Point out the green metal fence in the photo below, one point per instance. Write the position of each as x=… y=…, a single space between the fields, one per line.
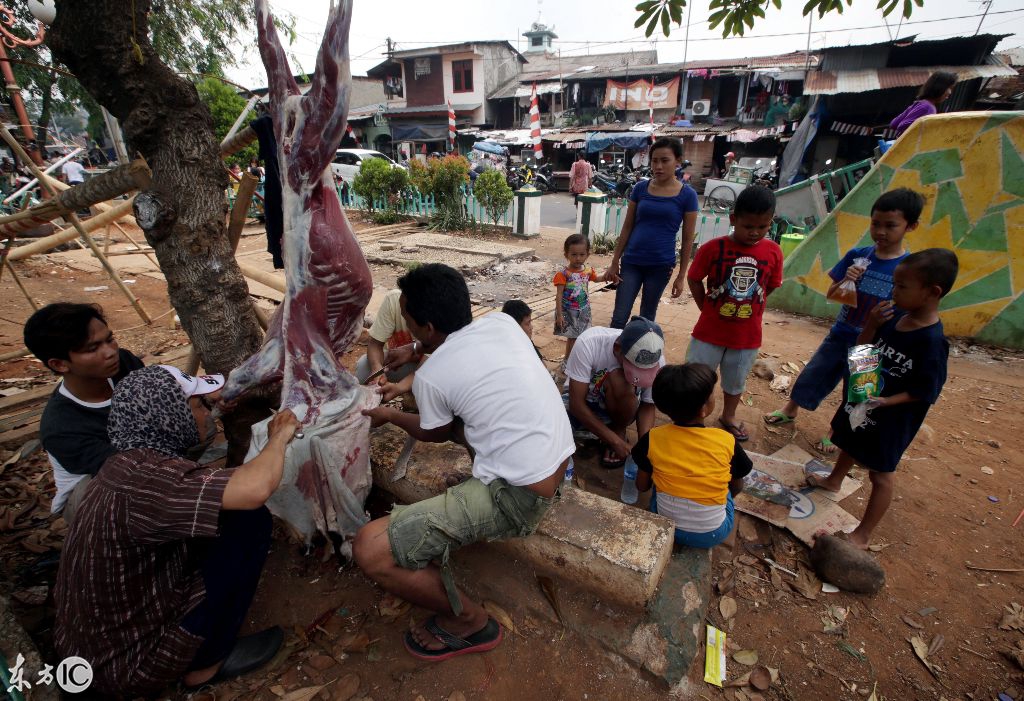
x=476 y=211
x=845 y=175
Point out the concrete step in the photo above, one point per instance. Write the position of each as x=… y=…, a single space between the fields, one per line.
x=612 y=554
x=615 y=549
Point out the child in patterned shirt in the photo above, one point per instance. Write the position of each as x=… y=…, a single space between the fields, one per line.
x=572 y=304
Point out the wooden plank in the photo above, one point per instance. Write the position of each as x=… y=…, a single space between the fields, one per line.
x=15 y=438
x=27 y=397
x=21 y=418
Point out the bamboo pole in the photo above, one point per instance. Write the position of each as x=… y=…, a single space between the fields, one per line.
x=14 y=355
x=95 y=191
x=21 y=286
x=75 y=222
x=237 y=142
x=53 y=240
x=141 y=249
x=240 y=209
x=261 y=276
x=238 y=122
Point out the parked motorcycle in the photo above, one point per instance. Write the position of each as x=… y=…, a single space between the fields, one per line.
x=543 y=179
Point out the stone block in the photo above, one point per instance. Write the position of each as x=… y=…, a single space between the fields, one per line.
x=615 y=550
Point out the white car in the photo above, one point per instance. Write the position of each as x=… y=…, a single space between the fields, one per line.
x=348 y=160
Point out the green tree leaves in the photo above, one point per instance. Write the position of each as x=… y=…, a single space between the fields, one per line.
x=735 y=17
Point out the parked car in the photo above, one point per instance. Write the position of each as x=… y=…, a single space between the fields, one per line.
x=348 y=160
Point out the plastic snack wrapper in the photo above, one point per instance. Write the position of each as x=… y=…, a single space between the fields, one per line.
x=865 y=374
x=846 y=293
x=714 y=656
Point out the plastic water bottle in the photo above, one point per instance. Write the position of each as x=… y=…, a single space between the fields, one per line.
x=569 y=472
x=629 y=493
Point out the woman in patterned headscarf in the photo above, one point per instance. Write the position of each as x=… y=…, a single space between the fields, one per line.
x=163 y=558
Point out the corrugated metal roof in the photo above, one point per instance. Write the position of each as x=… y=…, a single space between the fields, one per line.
x=836 y=82
x=426 y=109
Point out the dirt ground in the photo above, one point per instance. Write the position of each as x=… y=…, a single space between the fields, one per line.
x=958 y=492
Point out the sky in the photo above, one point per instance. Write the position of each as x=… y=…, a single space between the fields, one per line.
x=604 y=26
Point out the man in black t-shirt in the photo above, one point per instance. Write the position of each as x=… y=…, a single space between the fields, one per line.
x=74 y=341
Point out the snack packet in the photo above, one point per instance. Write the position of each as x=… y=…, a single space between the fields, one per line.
x=865 y=374
x=846 y=293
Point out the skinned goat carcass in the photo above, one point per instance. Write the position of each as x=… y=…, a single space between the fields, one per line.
x=328 y=285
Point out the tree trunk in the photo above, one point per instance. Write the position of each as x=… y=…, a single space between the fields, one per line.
x=183 y=212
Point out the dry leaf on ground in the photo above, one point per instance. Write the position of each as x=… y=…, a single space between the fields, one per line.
x=356 y=641
x=834 y=619
x=726 y=581
x=760 y=678
x=921 y=650
x=547 y=585
x=911 y=622
x=727 y=607
x=500 y=615
x=806 y=584
x=304 y=694
x=745 y=657
x=1013 y=619
x=1016 y=654
x=457 y=696
x=393 y=607
x=739 y=681
x=345 y=688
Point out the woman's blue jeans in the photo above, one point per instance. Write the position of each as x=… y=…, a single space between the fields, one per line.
x=652 y=279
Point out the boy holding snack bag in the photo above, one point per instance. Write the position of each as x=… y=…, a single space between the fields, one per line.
x=862 y=279
x=893 y=383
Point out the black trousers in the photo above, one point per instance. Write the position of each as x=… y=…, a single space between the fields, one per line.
x=231 y=565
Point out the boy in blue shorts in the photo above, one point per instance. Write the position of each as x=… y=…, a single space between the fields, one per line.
x=741 y=270
x=893 y=216
x=914 y=353
x=697 y=470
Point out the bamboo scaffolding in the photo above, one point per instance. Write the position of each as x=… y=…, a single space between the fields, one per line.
x=94 y=191
x=73 y=218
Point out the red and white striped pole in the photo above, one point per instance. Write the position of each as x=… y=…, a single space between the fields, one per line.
x=538 y=149
x=451 y=127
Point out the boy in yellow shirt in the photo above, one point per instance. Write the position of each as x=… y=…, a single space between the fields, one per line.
x=696 y=470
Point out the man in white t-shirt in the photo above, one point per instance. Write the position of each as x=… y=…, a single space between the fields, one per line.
x=609 y=376
x=484 y=386
x=73 y=172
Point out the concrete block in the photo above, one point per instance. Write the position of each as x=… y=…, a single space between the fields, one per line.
x=615 y=550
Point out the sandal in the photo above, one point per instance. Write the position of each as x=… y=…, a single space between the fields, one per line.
x=825 y=446
x=777 y=418
x=611 y=461
x=814 y=482
x=487 y=638
x=736 y=430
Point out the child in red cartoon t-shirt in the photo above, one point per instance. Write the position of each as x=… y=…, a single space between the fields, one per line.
x=741 y=270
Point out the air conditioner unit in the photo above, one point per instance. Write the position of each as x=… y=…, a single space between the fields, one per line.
x=700 y=108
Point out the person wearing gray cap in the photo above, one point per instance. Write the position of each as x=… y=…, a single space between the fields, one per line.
x=608 y=377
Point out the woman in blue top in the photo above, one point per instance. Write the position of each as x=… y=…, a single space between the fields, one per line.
x=646 y=252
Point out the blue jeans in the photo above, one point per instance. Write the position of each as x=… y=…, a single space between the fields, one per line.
x=826 y=369
x=703 y=540
x=653 y=279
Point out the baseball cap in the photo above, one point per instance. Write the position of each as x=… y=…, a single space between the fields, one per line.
x=195 y=385
x=642 y=344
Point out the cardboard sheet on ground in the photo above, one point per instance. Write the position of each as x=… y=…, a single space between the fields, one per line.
x=775 y=491
x=812 y=465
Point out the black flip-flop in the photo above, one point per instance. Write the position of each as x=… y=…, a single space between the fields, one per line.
x=736 y=430
x=487 y=638
x=249 y=653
